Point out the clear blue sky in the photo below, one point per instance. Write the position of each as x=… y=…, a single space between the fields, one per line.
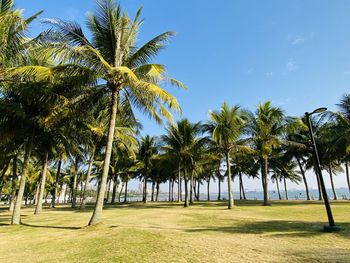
x=294 y=53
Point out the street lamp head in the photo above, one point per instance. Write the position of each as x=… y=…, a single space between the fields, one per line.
x=318 y=110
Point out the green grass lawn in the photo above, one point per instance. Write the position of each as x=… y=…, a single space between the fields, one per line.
x=288 y=231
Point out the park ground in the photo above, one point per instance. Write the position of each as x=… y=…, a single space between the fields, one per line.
x=287 y=231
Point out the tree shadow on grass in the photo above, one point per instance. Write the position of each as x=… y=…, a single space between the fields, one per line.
x=52 y=227
x=277 y=228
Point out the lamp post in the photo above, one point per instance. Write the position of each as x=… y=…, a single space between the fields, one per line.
x=332 y=227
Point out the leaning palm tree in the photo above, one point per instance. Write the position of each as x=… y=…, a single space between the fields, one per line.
x=226 y=126
x=112 y=55
x=265 y=129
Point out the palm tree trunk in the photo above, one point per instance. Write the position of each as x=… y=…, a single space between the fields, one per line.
x=75 y=182
x=229 y=181
x=120 y=192
x=208 y=188
x=172 y=190
x=16 y=215
x=13 y=184
x=36 y=197
x=114 y=191
x=59 y=193
x=264 y=174
x=39 y=205
x=54 y=190
x=347 y=174
x=195 y=189
x=304 y=179
x=88 y=177
x=157 y=193
x=186 y=204
x=153 y=186
x=219 y=188
x=169 y=196
x=65 y=194
x=144 y=199
x=285 y=187
x=126 y=191
x=278 y=190
x=240 y=186
x=198 y=186
x=108 y=189
x=97 y=214
x=191 y=188
x=332 y=183
x=179 y=184
x=320 y=196
x=2 y=181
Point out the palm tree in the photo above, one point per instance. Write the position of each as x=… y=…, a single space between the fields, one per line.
x=342 y=133
x=244 y=164
x=112 y=55
x=147 y=152
x=226 y=126
x=283 y=168
x=265 y=129
x=182 y=142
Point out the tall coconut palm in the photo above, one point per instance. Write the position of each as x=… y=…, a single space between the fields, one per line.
x=265 y=129
x=112 y=55
x=226 y=126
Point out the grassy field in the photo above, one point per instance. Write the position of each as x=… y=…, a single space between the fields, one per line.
x=163 y=232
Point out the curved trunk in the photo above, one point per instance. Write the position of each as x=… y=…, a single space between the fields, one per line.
x=88 y=177
x=54 y=190
x=332 y=183
x=39 y=205
x=264 y=179
x=16 y=215
x=285 y=187
x=304 y=179
x=97 y=214
x=229 y=181
x=278 y=189
x=347 y=174
x=179 y=184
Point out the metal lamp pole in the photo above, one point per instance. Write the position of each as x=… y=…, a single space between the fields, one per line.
x=332 y=227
